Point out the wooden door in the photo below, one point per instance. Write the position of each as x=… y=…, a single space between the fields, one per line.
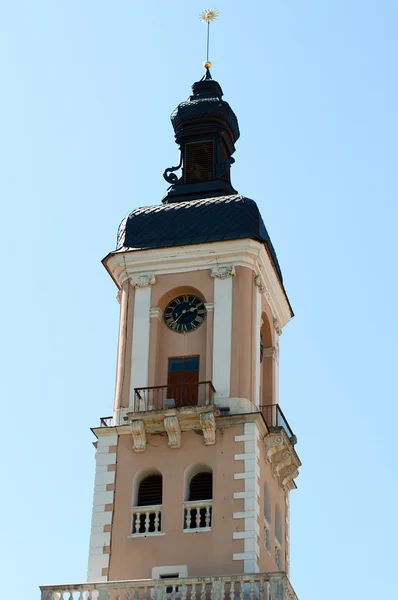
x=183 y=379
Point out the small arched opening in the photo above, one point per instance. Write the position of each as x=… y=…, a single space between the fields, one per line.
x=267 y=518
x=198 y=497
x=278 y=537
x=267 y=367
x=147 y=503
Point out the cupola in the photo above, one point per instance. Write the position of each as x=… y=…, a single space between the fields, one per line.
x=206 y=129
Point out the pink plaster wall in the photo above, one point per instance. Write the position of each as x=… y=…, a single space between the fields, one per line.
x=205 y=553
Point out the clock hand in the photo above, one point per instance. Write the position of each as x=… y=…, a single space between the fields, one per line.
x=180 y=315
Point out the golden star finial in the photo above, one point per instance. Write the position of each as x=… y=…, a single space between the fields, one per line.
x=207 y=16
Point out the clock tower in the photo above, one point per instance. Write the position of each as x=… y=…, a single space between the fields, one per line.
x=196 y=464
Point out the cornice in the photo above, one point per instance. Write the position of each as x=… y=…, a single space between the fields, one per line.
x=190 y=418
x=216 y=255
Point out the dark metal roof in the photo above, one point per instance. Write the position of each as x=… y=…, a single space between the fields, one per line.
x=194 y=222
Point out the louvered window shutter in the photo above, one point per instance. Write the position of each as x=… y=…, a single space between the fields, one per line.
x=150 y=491
x=199 y=162
x=201 y=487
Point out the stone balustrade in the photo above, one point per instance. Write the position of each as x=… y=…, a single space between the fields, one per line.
x=146 y=520
x=197 y=515
x=258 y=586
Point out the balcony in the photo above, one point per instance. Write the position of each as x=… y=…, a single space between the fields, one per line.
x=259 y=586
x=275 y=418
x=146 y=520
x=197 y=515
x=179 y=395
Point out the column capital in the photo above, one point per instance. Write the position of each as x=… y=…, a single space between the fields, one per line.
x=272 y=352
x=259 y=282
x=142 y=281
x=223 y=272
x=277 y=326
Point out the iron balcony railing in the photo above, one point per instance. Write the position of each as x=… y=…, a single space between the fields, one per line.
x=106 y=421
x=274 y=417
x=178 y=395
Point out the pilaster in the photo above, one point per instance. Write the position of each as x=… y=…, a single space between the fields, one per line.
x=222 y=329
x=101 y=522
x=141 y=332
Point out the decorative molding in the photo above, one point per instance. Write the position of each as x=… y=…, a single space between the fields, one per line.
x=262 y=288
x=142 y=281
x=139 y=436
x=242 y=252
x=277 y=326
x=272 y=352
x=209 y=306
x=173 y=431
x=259 y=282
x=280 y=460
x=272 y=445
x=280 y=453
x=208 y=424
x=223 y=272
x=288 y=474
x=119 y=296
x=156 y=313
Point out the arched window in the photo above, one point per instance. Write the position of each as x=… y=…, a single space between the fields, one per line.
x=278 y=537
x=201 y=487
x=198 y=497
x=266 y=358
x=148 y=496
x=267 y=518
x=150 y=491
x=267 y=504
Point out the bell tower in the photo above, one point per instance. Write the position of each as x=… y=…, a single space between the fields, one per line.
x=196 y=464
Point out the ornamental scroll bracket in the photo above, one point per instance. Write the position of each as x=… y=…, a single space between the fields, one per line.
x=139 y=436
x=169 y=174
x=208 y=424
x=223 y=272
x=142 y=281
x=279 y=453
x=173 y=431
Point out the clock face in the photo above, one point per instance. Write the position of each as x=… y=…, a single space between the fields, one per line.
x=185 y=313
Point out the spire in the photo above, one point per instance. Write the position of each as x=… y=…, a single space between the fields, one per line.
x=206 y=130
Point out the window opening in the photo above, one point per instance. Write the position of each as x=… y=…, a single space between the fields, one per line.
x=267 y=518
x=169 y=588
x=197 y=515
x=199 y=162
x=149 y=494
x=201 y=487
x=150 y=491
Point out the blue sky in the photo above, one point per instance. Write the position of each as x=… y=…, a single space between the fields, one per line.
x=85 y=136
